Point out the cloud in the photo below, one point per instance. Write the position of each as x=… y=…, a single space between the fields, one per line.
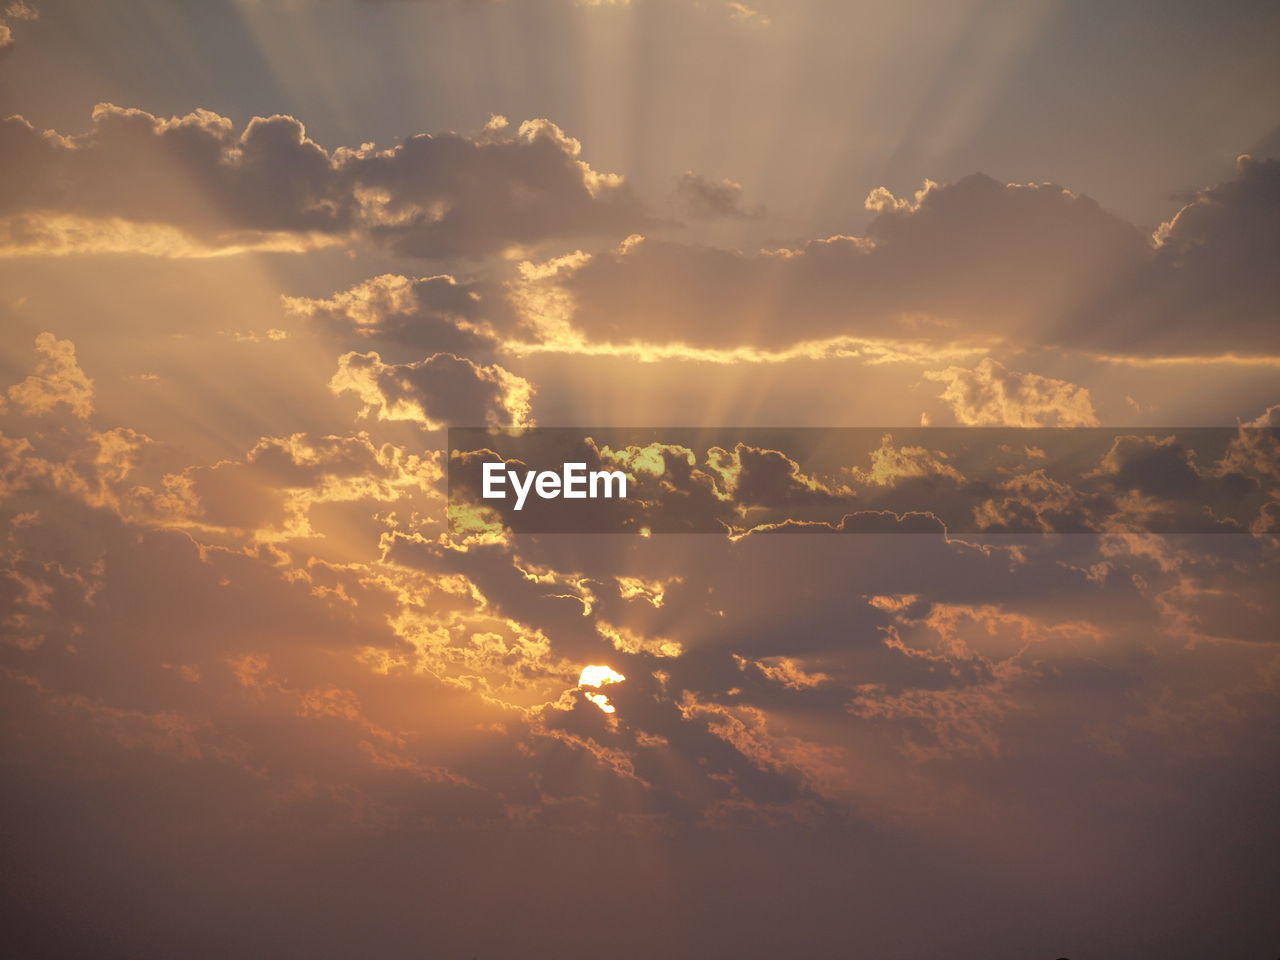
x=433 y=314
x=358 y=695
x=19 y=10
x=63 y=234
x=671 y=487
x=757 y=477
x=706 y=199
x=1211 y=284
x=443 y=389
x=1009 y=478
x=975 y=258
x=263 y=681
x=272 y=491
x=993 y=395
x=1233 y=221
x=50 y=444
x=436 y=197
x=629 y=641
x=57 y=381
x=745 y=14
x=785 y=671
x=890 y=465
x=1162 y=482
x=1256 y=450
x=448 y=195
x=972 y=263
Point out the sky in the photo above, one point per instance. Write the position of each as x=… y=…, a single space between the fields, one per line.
x=262 y=698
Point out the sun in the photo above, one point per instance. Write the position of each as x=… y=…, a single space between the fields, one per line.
x=596 y=675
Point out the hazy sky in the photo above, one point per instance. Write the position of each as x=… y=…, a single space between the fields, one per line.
x=261 y=700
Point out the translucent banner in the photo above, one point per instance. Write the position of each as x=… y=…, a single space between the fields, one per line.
x=739 y=481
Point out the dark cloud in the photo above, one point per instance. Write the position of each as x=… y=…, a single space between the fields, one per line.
x=706 y=199
x=975 y=261
x=435 y=197
x=448 y=195
x=440 y=390
x=261 y=699
x=1212 y=284
x=757 y=477
x=168 y=684
x=836 y=481
x=971 y=259
x=671 y=487
x=195 y=172
x=425 y=314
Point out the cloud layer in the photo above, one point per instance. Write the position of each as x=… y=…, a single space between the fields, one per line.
x=433 y=197
x=975 y=261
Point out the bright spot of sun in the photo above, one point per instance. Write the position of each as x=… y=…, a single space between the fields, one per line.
x=597 y=676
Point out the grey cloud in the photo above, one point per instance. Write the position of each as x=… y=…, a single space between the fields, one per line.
x=975 y=261
x=972 y=259
x=303 y=695
x=432 y=196
x=706 y=199
x=442 y=196
x=757 y=477
x=194 y=172
x=440 y=390
x=671 y=487
x=1212 y=285
x=1004 y=480
x=426 y=314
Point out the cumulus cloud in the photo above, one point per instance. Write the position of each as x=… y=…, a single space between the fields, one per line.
x=757 y=477
x=992 y=395
x=431 y=196
x=973 y=262
x=57 y=381
x=1210 y=285
x=1163 y=482
x=50 y=444
x=971 y=259
x=432 y=314
x=1256 y=449
x=441 y=390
